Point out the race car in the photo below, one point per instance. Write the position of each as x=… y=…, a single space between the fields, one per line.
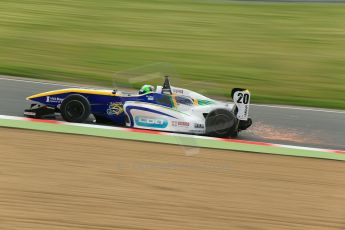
x=163 y=108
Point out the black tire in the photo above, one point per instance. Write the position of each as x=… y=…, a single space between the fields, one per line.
x=75 y=108
x=221 y=123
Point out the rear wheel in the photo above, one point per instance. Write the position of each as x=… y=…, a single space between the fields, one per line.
x=221 y=123
x=75 y=108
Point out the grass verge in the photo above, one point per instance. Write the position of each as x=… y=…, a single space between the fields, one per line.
x=286 y=53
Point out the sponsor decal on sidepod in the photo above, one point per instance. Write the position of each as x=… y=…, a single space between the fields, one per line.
x=199 y=126
x=151 y=122
x=180 y=124
x=115 y=108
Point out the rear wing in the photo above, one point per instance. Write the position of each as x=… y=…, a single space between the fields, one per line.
x=241 y=98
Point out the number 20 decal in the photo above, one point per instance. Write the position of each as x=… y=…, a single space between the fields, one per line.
x=243 y=98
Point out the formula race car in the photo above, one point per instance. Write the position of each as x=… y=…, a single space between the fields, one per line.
x=163 y=108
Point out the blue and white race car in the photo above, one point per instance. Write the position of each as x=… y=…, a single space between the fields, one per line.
x=163 y=108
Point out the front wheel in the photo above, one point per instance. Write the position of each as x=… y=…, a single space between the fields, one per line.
x=221 y=123
x=75 y=108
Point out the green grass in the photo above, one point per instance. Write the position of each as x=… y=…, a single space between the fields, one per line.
x=285 y=53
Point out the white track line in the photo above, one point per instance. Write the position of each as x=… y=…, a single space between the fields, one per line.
x=300 y=108
x=2 y=77
x=6 y=117
x=304 y=148
x=7 y=78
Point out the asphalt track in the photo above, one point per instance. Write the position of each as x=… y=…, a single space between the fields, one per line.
x=309 y=127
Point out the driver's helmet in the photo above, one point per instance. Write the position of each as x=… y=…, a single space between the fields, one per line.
x=146 y=89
